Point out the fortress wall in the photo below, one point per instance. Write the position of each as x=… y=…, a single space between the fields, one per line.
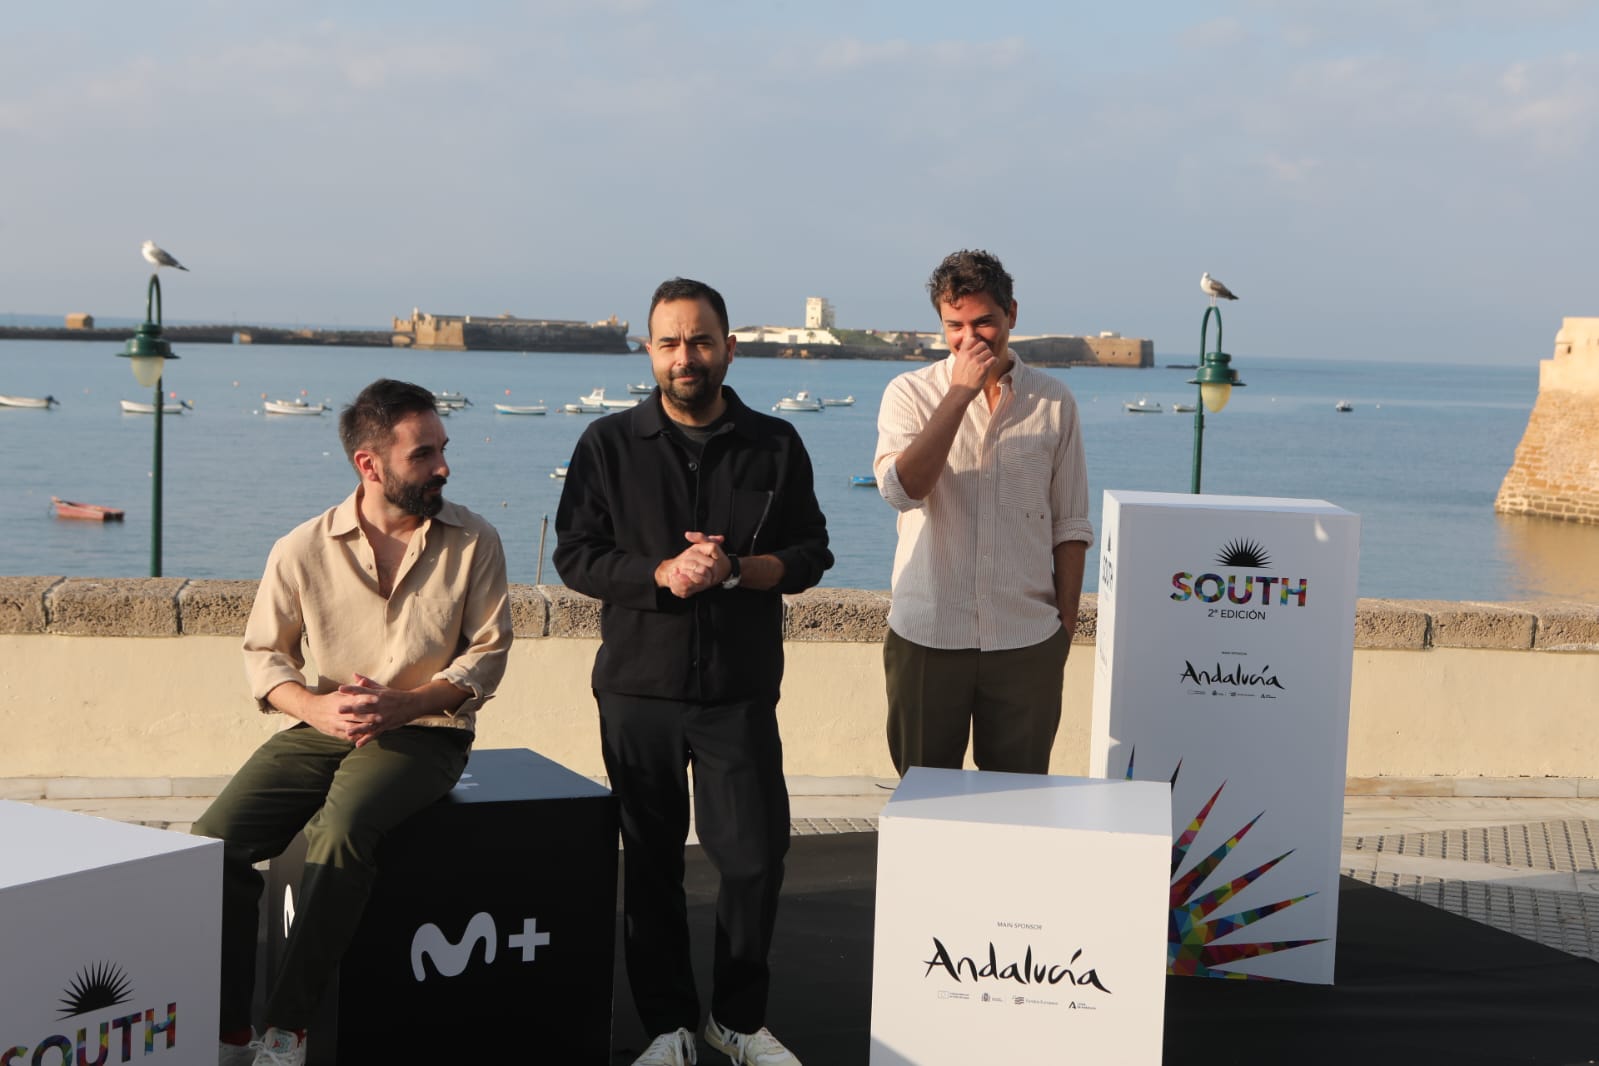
x=141 y=679
x=1556 y=469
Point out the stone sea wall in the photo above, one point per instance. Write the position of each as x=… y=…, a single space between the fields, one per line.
x=1556 y=469
x=135 y=683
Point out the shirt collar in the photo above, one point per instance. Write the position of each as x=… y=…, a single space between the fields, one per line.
x=650 y=418
x=346 y=516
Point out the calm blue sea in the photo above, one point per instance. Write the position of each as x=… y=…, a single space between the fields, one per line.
x=1420 y=457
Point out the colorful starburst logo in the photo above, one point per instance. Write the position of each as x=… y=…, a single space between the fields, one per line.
x=1192 y=948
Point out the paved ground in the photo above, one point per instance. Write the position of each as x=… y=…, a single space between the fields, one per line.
x=1526 y=866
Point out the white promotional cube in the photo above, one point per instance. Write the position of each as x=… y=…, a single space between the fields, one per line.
x=112 y=941
x=1020 y=918
x=1223 y=657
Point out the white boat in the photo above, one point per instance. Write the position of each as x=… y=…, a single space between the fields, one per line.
x=1142 y=407
x=581 y=408
x=839 y=401
x=800 y=401
x=520 y=408
x=453 y=401
x=1343 y=406
x=134 y=407
x=1183 y=408
x=642 y=388
x=292 y=407
x=597 y=398
x=36 y=402
x=559 y=473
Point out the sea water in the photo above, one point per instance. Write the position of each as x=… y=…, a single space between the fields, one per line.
x=1420 y=456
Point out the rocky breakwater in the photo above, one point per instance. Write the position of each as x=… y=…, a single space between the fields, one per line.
x=1556 y=469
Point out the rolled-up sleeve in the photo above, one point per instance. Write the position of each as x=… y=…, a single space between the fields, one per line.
x=485 y=626
x=899 y=420
x=1069 y=482
x=272 y=652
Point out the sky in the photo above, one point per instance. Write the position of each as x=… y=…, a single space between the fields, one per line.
x=1408 y=180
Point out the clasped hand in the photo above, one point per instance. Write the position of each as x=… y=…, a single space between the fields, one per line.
x=359 y=712
x=702 y=565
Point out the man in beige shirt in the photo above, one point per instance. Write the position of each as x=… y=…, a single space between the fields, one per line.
x=982 y=456
x=401 y=600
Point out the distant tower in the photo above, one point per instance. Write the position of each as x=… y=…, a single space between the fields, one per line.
x=818 y=313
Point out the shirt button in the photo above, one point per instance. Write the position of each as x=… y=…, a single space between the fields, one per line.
x=693 y=466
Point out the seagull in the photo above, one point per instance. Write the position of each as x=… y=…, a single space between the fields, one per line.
x=1214 y=289
x=164 y=259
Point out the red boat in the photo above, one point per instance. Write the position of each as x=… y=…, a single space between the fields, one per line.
x=90 y=511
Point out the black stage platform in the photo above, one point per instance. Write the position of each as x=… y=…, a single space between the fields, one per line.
x=1415 y=984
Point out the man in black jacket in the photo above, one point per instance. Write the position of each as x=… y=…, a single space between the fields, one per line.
x=689 y=516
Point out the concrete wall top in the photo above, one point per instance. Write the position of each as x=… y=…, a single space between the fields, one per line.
x=170 y=607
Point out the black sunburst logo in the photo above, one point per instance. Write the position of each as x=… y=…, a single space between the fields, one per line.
x=1244 y=554
x=100 y=985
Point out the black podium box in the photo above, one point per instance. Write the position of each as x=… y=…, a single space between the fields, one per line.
x=491 y=927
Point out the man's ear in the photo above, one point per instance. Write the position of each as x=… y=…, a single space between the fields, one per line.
x=366 y=464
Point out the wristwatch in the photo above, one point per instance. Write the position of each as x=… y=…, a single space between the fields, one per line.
x=735 y=574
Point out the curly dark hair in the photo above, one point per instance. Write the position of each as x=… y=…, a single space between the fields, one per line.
x=369 y=420
x=689 y=289
x=966 y=273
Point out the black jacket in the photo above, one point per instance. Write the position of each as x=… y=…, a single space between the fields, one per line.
x=632 y=489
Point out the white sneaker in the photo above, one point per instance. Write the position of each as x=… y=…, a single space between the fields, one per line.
x=749 y=1049
x=279 y=1047
x=669 y=1049
x=236 y=1054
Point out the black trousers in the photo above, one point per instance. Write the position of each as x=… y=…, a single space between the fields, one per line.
x=741 y=814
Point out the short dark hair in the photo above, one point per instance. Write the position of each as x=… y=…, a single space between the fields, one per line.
x=369 y=420
x=968 y=272
x=689 y=289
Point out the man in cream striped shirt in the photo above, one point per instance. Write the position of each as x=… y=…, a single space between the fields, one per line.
x=982 y=456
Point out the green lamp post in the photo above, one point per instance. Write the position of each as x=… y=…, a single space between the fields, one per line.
x=1216 y=379
x=149 y=352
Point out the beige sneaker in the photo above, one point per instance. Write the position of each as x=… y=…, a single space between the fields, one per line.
x=669 y=1049
x=760 y=1048
x=280 y=1047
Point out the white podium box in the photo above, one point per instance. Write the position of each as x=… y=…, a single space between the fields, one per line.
x=112 y=941
x=1020 y=918
x=1226 y=637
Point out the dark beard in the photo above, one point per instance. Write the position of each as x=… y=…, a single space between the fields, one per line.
x=412 y=497
x=697 y=398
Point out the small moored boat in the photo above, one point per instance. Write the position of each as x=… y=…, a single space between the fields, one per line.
x=1143 y=407
x=1183 y=408
x=641 y=388
x=293 y=407
x=597 y=398
x=451 y=400
x=134 y=407
x=91 y=512
x=838 y=401
x=863 y=481
x=559 y=473
x=520 y=408
x=800 y=401
x=35 y=402
x=581 y=408
x=1343 y=406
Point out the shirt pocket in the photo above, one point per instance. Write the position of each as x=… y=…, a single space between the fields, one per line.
x=749 y=533
x=432 y=629
x=1025 y=466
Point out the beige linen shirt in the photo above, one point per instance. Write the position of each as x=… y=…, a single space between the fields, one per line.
x=448 y=616
x=974 y=567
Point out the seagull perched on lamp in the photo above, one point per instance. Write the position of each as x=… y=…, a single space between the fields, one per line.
x=1214 y=289
x=164 y=259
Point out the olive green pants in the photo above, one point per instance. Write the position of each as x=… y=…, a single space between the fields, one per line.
x=1007 y=702
x=345 y=798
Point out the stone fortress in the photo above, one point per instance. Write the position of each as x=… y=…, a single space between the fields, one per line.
x=820 y=338
x=1556 y=469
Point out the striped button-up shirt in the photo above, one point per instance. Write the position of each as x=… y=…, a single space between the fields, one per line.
x=974 y=567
